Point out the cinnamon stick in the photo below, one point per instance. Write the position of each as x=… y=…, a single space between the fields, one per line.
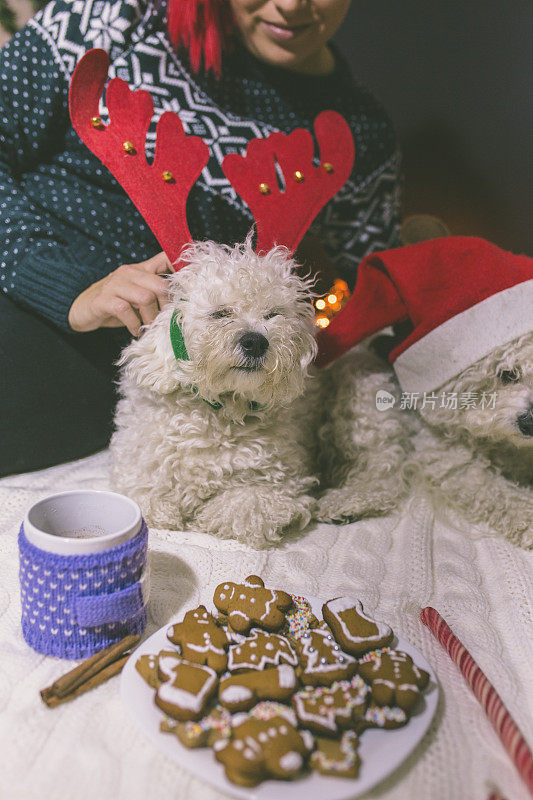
x=52 y=700
x=80 y=674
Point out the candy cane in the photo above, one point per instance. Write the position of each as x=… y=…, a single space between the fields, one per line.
x=492 y=704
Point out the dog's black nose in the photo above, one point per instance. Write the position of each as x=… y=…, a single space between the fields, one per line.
x=253 y=345
x=525 y=422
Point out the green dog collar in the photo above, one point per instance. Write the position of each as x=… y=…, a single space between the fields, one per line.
x=180 y=353
x=176 y=339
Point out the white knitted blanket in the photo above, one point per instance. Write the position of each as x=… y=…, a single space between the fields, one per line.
x=483 y=587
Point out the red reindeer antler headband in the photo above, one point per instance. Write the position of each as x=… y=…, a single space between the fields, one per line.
x=160 y=190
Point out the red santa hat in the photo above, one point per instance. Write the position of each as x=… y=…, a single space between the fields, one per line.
x=462 y=296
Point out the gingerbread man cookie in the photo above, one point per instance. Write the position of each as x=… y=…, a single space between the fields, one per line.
x=200 y=639
x=249 y=603
x=262 y=749
x=203 y=733
x=394 y=678
x=321 y=659
x=354 y=630
x=337 y=757
x=240 y=692
x=260 y=650
x=329 y=709
x=186 y=688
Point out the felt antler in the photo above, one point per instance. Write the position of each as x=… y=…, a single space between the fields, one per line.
x=283 y=216
x=159 y=190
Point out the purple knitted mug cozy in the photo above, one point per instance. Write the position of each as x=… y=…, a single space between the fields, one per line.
x=74 y=606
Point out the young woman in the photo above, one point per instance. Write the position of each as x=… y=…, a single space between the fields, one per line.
x=79 y=270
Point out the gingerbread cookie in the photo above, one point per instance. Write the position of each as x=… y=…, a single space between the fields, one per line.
x=186 y=688
x=200 y=639
x=249 y=603
x=387 y=717
x=300 y=617
x=240 y=692
x=321 y=659
x=261 y=749
x=338 y=758
x=394 y=678
x=260 y=650
x=354 y=630
x=329 y=709
x=203 y=733
x=147 y=667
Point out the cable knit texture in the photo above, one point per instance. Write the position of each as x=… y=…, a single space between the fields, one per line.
x=73 y=606
x=482 y=585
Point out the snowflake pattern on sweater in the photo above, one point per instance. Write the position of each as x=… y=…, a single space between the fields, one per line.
x=67 y=223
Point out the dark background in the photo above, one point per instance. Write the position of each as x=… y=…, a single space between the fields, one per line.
x=457 y=80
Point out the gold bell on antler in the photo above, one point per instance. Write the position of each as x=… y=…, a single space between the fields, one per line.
x=299 y=176
x=327 y=166
x=168 y=177
x=96 y=122
x=264 y=188
x=128 y=148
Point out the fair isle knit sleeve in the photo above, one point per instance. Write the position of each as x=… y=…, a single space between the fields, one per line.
x=42 y=266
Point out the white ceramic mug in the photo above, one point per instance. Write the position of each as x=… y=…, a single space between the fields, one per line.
x=82 y=521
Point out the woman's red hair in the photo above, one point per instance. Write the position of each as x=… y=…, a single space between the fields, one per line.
x=203 y=27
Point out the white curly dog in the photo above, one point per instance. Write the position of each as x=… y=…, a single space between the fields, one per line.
x=242 y=438
x=223 y=440
x=475 y=458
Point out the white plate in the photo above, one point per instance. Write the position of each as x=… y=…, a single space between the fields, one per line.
x=381 y=751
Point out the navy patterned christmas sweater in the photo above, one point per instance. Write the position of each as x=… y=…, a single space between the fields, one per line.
x=66 y=222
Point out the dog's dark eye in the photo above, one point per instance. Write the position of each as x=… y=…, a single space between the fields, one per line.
x=510 y=375
x=272 y=314
x=222 y=312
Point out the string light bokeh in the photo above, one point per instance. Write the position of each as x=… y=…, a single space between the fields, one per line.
x=331 y=303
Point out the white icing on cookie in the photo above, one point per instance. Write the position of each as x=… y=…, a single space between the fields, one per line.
x=335 y=661
x=235 y=694
x=286 y=677
x=180 y=696
x=280 y=651
x=291 y=761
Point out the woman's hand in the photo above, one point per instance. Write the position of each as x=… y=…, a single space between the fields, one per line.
x=132 y=295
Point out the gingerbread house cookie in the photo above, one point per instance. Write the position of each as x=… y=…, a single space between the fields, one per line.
x=186 y=688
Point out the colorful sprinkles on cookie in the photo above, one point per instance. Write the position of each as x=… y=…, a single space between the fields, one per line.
x=338 y=758
x=301 y=617
x=327 y=709
x=203 y=733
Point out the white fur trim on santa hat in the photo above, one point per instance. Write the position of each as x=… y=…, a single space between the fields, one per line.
x=466 y=338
